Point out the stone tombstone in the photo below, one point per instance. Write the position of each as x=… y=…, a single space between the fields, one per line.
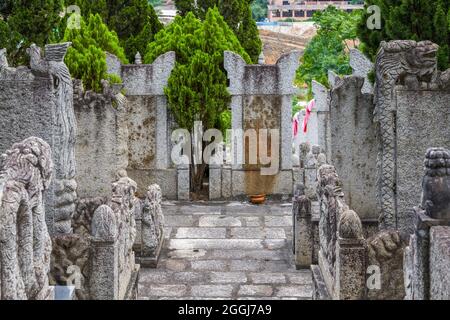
x=261 y=98
x=354 y=144
x=412 y=113
x=25 y=174
x=361 y=67
x=150 y=228
x=150 y=125
x=39 y=102
x=102 y=146
x=322 y=99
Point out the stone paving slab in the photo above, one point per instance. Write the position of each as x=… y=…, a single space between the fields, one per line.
x=226 y=250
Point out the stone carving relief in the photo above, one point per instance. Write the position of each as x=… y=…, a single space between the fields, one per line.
x=65 y=188
x=331 y=201
x=9 y=73
x=25 y=245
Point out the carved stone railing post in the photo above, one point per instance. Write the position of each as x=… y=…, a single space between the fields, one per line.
x=303 y=231
x=350 y=258
x=25 y=245
x=183 y=182
x=104 y=280
x=150 y=228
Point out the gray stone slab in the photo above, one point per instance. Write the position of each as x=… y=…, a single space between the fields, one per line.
x=255 y=290
x=219 y=221
x=248 y=254
x=179 y=220
x=246 y=265
x=201 y=233
x=278 y=221
x=212 y=291
x=228 y=277
x=299 y=277
x=304 y=291
x=166 y=290
x=187 y=254
x=148 y=276
x=267 y=277
x=183 y=244
x=209 y=265
x=258 y=233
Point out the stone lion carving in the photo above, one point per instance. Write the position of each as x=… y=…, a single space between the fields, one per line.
x=350 y=226
x=25 y=243
x=406 y=62
x=436 y=184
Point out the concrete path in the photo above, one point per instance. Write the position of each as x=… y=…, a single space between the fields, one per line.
x=227 y=250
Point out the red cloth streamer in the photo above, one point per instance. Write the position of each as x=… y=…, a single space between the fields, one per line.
x=295 y=125
x=309 y=108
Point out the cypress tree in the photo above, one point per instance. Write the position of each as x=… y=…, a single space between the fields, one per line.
x=86 y=58
x=238 y=16
x=134 y=21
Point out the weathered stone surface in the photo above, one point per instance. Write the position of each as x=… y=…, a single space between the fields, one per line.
x=25 y=245
x=439 y=263
x=354 y=144
x=201 y=233
x=272 y=221
x=215 y=244
x=212 y=291
x=165 y=290
x=264 y=277
x=228 y=277
x=246 y=265
x=219 y=221
x=255 y=290
x=101 y=149
x=361 y=66
x=258 y=233
x=301 y=291
x=209 y=265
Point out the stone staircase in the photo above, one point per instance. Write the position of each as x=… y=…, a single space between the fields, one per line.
x=228 y=250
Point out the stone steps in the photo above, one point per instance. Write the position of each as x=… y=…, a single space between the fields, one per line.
x=230 y=251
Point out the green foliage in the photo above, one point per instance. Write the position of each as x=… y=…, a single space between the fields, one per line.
x=10 y=40
x=408 y=19
x=86 y=58
x=197 y=87
x=259 y=10
x=237 y=14
x=134 y=21
x=28 y=21
x=328 y=50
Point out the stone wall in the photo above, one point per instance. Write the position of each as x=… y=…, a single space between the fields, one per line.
x=102 y=145
x=38 y=101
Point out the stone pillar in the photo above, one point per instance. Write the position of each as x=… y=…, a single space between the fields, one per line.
x=104 y=280
x=303 y=232
x=322 y=99
x=350 y=277
x=350 y=269
x=183 y=182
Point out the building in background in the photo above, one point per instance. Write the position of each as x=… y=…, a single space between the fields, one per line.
x=304 y=10
x=166 y=11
